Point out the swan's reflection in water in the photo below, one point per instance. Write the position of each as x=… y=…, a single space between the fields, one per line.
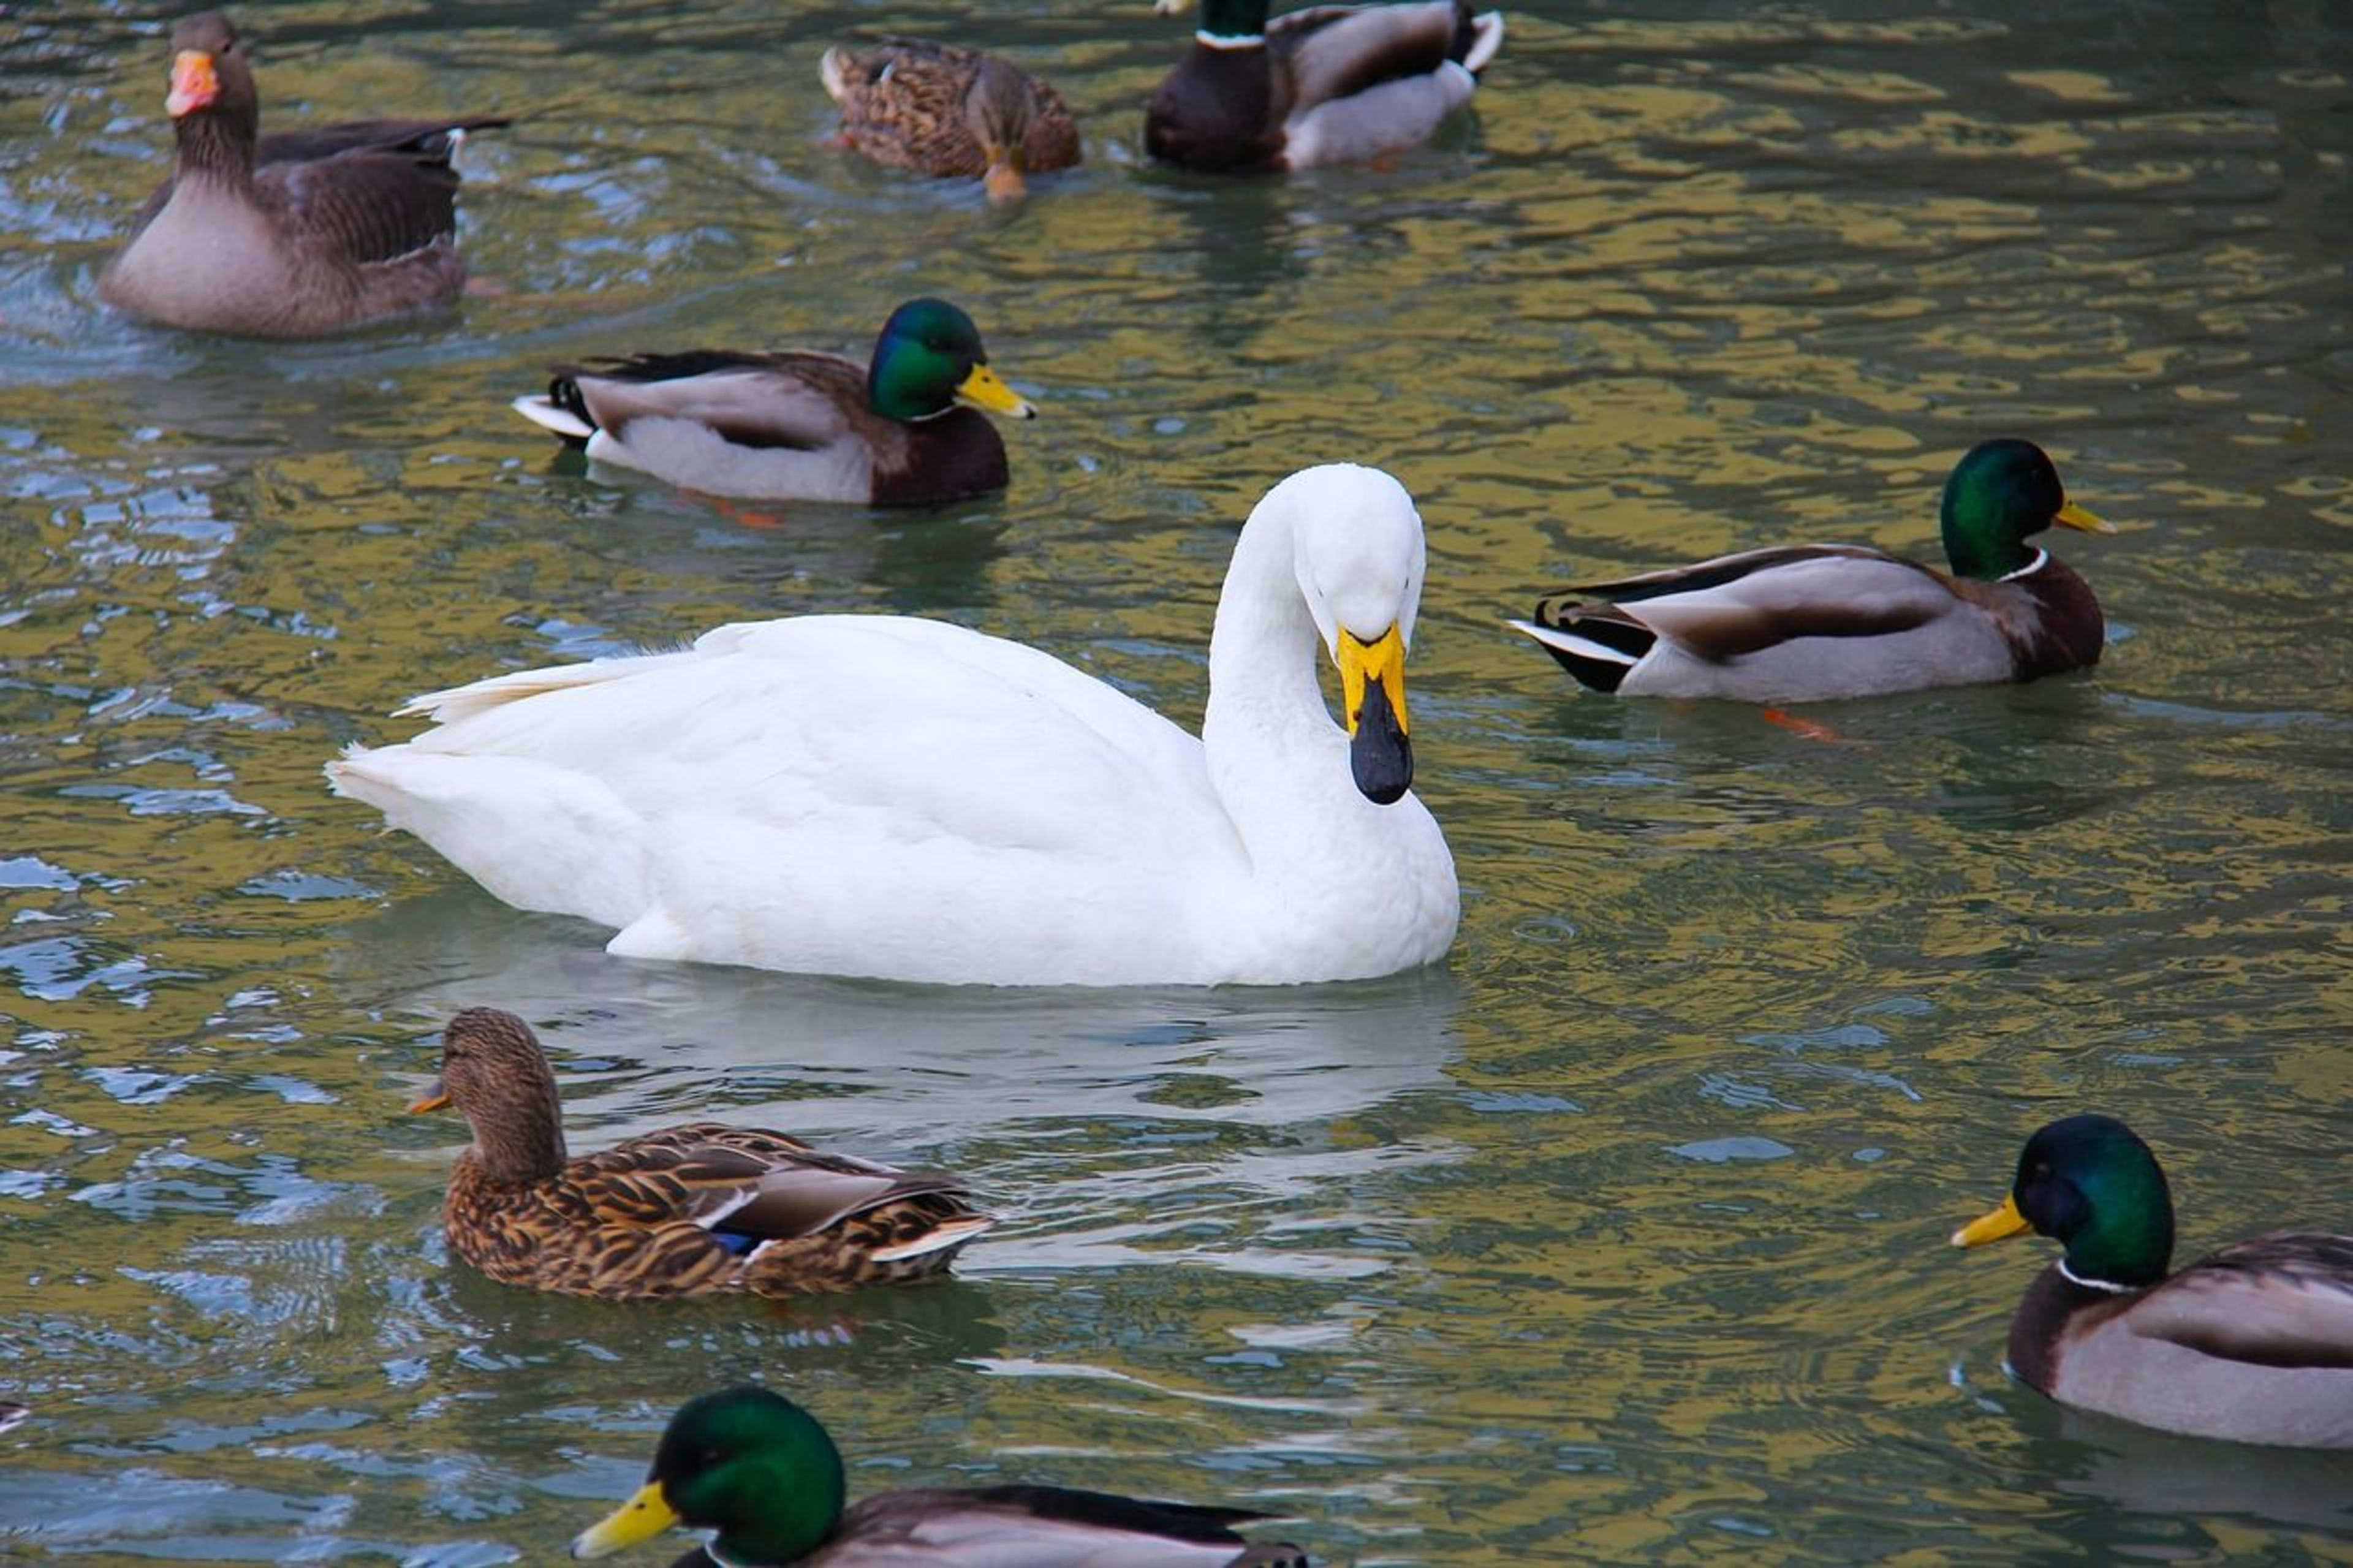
x=1111 y=1126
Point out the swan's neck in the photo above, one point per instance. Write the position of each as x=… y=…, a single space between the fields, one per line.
x=1265 y=654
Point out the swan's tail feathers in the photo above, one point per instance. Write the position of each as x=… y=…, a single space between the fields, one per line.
x=1486 y=39
x=944 y=1237
x=1595 y=664
x=456 y=703
x=345 y=773
x=549 y=411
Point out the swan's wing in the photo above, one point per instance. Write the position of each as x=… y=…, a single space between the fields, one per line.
x=911 y=728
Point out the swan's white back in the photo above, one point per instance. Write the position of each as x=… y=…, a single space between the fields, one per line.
x=889 y=796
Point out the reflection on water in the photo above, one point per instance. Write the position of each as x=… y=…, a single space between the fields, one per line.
x=1620 y=1238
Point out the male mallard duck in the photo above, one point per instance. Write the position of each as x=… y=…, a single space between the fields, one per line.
x=2254 y=1344
x=1324 y=84
x=882 y=796
x=301 y=234
x=702 y=1210
x=1809 y=622
x=951 y=112
x=798 y=425
x=758 y=1469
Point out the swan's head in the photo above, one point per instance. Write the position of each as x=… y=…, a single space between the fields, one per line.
x=1356 y=548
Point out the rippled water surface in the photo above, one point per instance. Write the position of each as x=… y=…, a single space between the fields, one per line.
x=1622 y=1236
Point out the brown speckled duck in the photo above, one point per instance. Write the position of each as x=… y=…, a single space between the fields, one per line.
x=1811 y=622
x=294 y=235
x=950 y=112
x=702 y=1210
x=761 y=1473
x=2253 y=1343
x=797 y=425
x=1327 y=84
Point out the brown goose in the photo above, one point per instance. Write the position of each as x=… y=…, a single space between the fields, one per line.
x=707 y=1209
x=292 y=235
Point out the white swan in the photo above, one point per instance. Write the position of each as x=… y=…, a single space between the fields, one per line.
x=886 y=796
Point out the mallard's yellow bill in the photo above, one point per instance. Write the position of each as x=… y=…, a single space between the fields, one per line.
x=2004 y=1221
x=982 y=390
x=643 y=1517
x=2073 y=516
x=1382 y=662
x=435 y=1098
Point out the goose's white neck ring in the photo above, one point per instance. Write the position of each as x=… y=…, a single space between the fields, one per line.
x=2041 y=559
x=1210 y=40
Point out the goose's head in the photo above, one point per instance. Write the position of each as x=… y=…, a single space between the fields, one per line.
x=212 y=85
x=1356 y=549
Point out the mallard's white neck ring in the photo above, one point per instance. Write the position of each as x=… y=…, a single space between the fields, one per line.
x=2112 y=1287
x=2041 y=559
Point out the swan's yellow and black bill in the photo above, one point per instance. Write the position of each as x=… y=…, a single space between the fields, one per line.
x=1372 y=703
x=982 y=389
x=2073 y=516
x=643 y=1517
x=435 y=1098
x=2005 y=1221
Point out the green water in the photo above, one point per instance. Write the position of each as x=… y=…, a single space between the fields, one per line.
x=1621 y=1238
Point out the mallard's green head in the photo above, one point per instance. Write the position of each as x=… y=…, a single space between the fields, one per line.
x=747 y=1463
x=1224 y=18
x=930 y=355
x=2001 y=493
x=2090 y=1183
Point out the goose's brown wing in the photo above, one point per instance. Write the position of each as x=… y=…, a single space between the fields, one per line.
x=425 y=143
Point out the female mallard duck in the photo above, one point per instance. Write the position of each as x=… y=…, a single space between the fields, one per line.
x=759 y=1471
x=294 y=235
x=882 y=795
x=1810 y=622
x=2254 y=1344
x=797 y=425
x=950 y=112
x=1324 y=84
x=702 y=1210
